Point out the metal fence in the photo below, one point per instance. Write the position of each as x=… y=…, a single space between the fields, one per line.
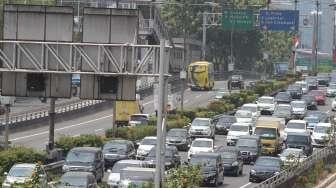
x=297 y=170
x=44 y=111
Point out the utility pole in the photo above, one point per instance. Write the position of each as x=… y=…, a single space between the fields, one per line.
x=159 y=134
x=185 y=52
x=315 y=37
x=334 y=32
x=7 y=110
x=114 y=116
x=52 y=115
x=204 y=25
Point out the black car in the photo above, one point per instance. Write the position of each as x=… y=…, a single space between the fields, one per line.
x=236 y=81
x=323 y=79
x=116 y=150
x=232 y=162
x=301 y=141
x=211 y=167
x=295 y=91
x=310 y=101
x=77 y=179
x=172 y=158
x=223 y=123
x=249 y=148
x=264 y=168
x=283 y=97
x=179 y=138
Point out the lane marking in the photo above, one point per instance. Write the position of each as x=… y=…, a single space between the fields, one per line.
x=246 y=185
x=59 y=129
x=147 y=103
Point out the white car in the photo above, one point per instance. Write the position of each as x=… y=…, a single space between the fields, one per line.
x=299 y=109
x=333 y=105
x=304 y=86
x=331 y=90
x=20 y=173
x=202 y=127
x=236 y=130
x=298 y=126
x=138 y=119
x=113 y=179
x=266 y=105
x=145 y=146
x=244 y=116
x=253 y=108
x=290 y=156
x=201 y=145
x=321 y=134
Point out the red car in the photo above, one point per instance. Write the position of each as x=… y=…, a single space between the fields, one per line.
x=319 y=96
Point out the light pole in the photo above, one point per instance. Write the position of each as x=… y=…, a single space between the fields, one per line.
x=334 y=32
x=316 y=14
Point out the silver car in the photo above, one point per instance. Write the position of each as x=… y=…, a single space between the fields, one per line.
x=202 y=127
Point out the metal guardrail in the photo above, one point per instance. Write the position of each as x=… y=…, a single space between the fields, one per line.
x=298 y=169
x=53 y=166
x=44 y=111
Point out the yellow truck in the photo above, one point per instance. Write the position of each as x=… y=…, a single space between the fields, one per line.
x=201 y=75
x=124 y=109
x=271 y=133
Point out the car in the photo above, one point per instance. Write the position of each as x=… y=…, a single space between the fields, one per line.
x=296 y=126
x=264 y=168
x=19 y=173
x=304 y=86
x=212 y=169
x=145 y=146
x=172 y=158
x=333 y=104
x=323 y=116
x=77 y=179
x=113 y=179
x=243 y=116
x=249 y=148
x=116 y=150
x=237 y=130
x=312 y=83
x=283 y=111
x=233 y=164
x=299 y=109
x=310 y=101
x=312 y=121
x=200 y=145
x=319 y=96
x=253 y=108
x=138 y=119
x=85 y=159
x=323 y=79
x=136 y=177
x=295 y=91
x=236 y=81
x=178 y=137
x=292 y=156
x=202 y=128
x=266 y=105
x=223 y=123
x=300 y=140
x=321 y=134
x=283 y=98
x=331 y=90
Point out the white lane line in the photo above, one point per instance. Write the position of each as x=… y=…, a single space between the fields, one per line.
x=147 y=103
x=59 y=129
x=198 y=96
x=98 y=130
x=246 y=185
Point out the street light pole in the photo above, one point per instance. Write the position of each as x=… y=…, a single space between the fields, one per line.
x=204 y=34
x=315 y=37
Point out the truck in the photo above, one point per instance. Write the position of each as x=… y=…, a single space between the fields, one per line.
x=271 y=133
x=124 y=109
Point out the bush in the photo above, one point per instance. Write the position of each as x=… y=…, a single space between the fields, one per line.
x=11 y=156
x=184 y=177
x=190 y=114
x=67 y=142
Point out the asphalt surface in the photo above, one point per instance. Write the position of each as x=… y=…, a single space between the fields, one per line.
x=97 y=123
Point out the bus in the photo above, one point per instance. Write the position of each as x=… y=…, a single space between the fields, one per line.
x=201 y=75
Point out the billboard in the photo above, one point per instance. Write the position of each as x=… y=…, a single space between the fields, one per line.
x=279 y=20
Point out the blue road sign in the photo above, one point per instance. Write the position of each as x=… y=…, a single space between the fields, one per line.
x=279 y=20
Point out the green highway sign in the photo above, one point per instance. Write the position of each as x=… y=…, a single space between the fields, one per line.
x=237 y=19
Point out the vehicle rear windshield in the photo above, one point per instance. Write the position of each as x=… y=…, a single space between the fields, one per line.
x=265 y=133
x=297 y=139
x=250 y=108
x=202 y=160
x=242 y=128
x=80 y=156
x=202 y=143
x=177 y=133
x=241 y=143
x=227 y=119
x=265 y=100
x=321 y=129
x=267 y=162
x=291 y=125
x=243 y=114
x=200 y=122
x=21 y=172
x=148 y=142
x=115 y=147
x=138 y=118
x=298 y=104
x=118 y=166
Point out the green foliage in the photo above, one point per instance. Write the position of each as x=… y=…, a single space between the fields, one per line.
x=11 y=156
x=311 y=177
x=184 y=177
x=67 y=142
